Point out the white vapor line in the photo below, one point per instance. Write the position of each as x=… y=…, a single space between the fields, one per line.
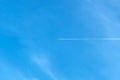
x=44 y=64
x=51 y=74
x=77 y=39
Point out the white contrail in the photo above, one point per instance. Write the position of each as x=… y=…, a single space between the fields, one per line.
x=75 y=39
x=44 y=64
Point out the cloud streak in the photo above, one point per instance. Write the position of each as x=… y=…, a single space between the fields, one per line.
x=99 y=39
x=44 y=64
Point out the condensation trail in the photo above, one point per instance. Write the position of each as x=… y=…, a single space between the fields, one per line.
x=103 y=39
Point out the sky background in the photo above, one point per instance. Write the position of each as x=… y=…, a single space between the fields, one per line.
x=32 y=45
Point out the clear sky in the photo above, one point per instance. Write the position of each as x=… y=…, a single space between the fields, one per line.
x=59 y=40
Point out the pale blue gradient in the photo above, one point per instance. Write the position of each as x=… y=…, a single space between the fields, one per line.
x=59 y=40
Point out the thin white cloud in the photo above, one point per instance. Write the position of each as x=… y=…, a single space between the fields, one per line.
x=45 y=65
x=74 y=39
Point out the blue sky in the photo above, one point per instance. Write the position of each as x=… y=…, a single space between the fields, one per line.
x=59 y=40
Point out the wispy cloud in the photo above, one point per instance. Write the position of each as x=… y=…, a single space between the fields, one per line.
x=44 y=63
x=86 y=39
